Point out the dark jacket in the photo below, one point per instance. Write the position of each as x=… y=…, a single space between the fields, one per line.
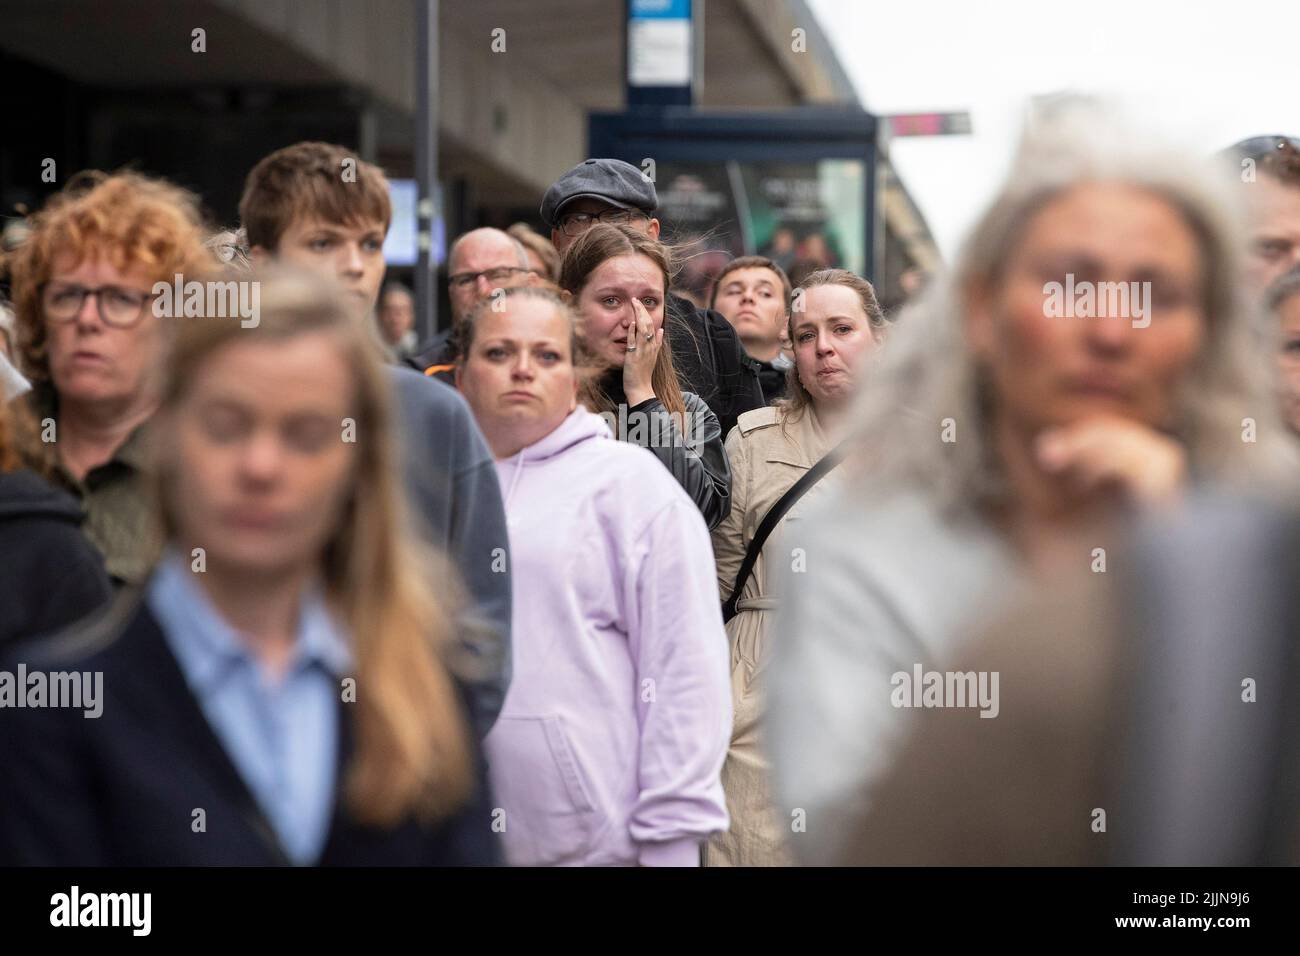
x=773 y=381
x=114 y=497
x=435 y=358
x=50 y=575
x=452 y=481
x=121 y=789
x=696 y=459
x=711 y=362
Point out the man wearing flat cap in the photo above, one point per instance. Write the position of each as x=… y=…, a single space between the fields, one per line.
x=706 y=351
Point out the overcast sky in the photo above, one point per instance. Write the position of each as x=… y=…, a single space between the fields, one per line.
x=1209 y=72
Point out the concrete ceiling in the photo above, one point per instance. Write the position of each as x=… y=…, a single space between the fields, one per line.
x=148 y=43
x=576 y=44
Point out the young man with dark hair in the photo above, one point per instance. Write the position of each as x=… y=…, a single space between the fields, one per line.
x=753 y=294
x=320 y=207
x=706 y=351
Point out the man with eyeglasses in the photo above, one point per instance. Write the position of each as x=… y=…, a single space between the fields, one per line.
x=707 y=354
x=479 y=262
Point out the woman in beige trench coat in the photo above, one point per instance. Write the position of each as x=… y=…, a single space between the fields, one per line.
x=837 y=324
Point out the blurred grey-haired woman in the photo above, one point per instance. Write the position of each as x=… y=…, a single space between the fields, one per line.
x=1087 y=358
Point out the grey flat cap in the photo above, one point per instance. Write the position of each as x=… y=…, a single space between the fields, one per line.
x=609 y=180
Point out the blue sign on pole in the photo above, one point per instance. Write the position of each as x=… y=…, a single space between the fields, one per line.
x=660 y=52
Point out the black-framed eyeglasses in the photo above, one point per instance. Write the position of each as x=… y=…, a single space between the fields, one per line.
x=119 y=307
x=575 y=224
x=1257 y=147
x=463 y=280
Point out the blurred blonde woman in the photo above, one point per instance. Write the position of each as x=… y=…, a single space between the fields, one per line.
x=281 y=665
x=1005 y=435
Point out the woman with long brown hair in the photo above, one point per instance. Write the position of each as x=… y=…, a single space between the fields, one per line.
x=281 y=668
x=618 y=280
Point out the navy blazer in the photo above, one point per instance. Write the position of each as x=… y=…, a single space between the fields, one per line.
x=123 y=789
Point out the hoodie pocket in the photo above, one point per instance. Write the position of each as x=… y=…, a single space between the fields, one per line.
x=549 y=817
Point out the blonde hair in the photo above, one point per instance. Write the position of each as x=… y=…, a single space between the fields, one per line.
x=929 y=375
x=799 y=399
x=412 y=756
x=534 y=241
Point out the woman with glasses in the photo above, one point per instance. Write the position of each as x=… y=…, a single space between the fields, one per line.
x=93 y=348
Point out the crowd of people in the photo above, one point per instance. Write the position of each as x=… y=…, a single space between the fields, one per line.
x=594 y=576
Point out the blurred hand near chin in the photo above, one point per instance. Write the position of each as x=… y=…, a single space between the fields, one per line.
x=1115 y=454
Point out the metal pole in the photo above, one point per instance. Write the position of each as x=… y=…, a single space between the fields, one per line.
x=426 y=163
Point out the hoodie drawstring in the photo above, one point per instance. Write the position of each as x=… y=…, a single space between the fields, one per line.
x=514 y=481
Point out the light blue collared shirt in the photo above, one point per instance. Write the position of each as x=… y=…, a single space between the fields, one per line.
x=281 y=736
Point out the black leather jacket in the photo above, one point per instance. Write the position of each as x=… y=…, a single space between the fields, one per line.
x=695 y=455
x=711 y=362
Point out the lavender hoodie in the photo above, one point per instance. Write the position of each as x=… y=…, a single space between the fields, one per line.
x=610 y=744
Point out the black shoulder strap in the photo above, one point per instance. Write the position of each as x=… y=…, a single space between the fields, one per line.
x=772 y=519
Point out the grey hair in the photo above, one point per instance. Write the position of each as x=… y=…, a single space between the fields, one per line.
x=928 y=378
x=230 y=247
x=520 y=252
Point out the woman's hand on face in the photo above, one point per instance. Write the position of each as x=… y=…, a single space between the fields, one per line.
x=639 y=366
x=1101 y=454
